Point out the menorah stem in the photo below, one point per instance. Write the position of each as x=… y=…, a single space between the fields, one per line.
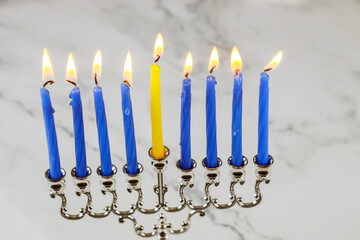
x=161 y=193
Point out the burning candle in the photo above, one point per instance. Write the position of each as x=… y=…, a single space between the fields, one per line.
x=80 y=154
x=236 y=128
x=130 y=143
x=103 y=137
x=185 y=142
x=263 y=127
x=48 y=113
x=211 y=144
x=158 y=150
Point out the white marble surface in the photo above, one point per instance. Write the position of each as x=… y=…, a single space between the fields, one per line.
x=314 y=109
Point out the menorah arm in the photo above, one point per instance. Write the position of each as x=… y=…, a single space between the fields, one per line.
x=262 y=175
x=64 y=209
x=187 y=181
x=57 y=188
x=185 y=225
x=139 y=229
x=232 y=196
x=207 y=198
x=139 y=203
x=89 y=208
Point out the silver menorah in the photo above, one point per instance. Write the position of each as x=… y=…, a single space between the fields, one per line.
x=163 y=228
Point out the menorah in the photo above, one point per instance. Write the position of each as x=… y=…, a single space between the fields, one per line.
x=162 y=229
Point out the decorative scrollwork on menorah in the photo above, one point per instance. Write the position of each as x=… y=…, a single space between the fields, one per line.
x=163 y=228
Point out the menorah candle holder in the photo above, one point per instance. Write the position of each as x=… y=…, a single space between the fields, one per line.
x=162 y=229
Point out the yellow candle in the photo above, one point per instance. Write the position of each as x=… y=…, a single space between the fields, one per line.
x=158 y=150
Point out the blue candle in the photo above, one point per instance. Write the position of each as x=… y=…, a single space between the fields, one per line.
x=263 y=127
x=185 y=119
x=211 y=144
x=105 y=157
x=48 y=113
x=236 y=128
x=131 y=157
x=80 y=154
x=185 y=143
x=236 y=144
x=106 y=166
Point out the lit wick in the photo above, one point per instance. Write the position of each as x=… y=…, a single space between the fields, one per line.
x=73 y=83
x=157 y=58
x=51 y=82
x=95 y=78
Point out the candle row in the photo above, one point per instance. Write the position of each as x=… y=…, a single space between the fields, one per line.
x=158 y=151
x=103 y=138
x=236 y=147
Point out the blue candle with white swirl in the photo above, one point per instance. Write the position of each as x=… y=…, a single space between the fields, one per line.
x=211 y=141
x=130 y=143
x=103 y=137
x=185 y=118
x=80 y=154
x=263 y=124
x=48 y=113
x=236 y=127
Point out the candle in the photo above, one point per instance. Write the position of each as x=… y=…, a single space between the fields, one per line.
x=236 y=128
x=185 y=143
x=80 y=154
x=211 y=145
x=263 y=127
x=48 y=113
x=105 y=157
x=131 y=157
x=158 y=150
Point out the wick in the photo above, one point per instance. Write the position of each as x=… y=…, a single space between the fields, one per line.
x=212 y=69
x=237 y=71
x=95 y=78
x=268 y=69
x=186 y=75
x=127 y=83
x=73 y=83
x=51 y=82
x=157 y=58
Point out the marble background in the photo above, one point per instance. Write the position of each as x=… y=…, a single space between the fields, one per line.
x=314 y=110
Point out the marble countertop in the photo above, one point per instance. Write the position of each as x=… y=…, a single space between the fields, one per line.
x=314 y=110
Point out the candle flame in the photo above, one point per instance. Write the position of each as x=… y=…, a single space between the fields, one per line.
x=159 y=46
x=274 y=62
x=96 y=71
x=71 y=75
x=127 y=69
x=236 y=62
x=214 y=59
x=47 y=71
x=188 y=64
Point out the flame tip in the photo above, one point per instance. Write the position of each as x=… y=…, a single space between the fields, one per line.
x=214 y=59
x=274 y=62
x=236 y=61
x=128 y=69
x=159 y=46
x=47 y=72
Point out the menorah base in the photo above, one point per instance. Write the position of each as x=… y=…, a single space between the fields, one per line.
x=163 y=228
